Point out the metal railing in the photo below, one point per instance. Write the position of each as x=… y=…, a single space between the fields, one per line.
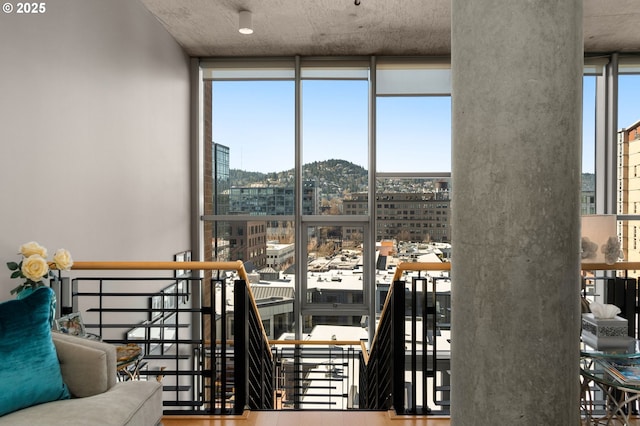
x=319 y=374
x=253 y=357
x=187 y=339
x=405 y=369
x=226 y=363
x=377 y=386
x=215 y=360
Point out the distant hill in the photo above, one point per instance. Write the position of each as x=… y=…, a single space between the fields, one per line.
x=334 y=176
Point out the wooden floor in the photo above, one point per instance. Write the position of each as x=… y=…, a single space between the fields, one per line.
x=317 y=418
x=307 y=418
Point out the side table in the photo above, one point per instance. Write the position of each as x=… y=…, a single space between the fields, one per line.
x=129 y=357
x=596 y=369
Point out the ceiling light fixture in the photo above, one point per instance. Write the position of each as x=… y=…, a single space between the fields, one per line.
x=245 y=22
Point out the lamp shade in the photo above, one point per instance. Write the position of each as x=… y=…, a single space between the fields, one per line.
x=245 y=26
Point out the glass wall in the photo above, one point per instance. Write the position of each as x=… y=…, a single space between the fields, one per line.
x=413 y=134
x=628 y=157
x=334 y=139
x=327 y=157
x=252 y=131
x=588 y=195
x=413 y=156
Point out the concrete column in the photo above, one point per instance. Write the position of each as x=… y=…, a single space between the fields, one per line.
x=517 y=91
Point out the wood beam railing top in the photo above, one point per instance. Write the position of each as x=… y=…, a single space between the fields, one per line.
x=160 y=265
x=163 y=265
x=446 y=266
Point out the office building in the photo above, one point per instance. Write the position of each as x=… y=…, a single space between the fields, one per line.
x=417 y=217
x=248 y=242
x=268 y=199
x=629 y=190
x=280 y=256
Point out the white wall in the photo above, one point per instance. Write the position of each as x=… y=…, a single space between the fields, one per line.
x=94 y=134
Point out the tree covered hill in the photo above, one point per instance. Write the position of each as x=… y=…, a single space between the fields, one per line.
x=339 y=176
x=333 y=175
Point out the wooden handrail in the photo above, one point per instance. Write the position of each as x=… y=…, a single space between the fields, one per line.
x=446 y=266
x=316 y=342
x=239 y=268
x=420 y=266
x=618 y=266
x=300 y=342
x=152 y=265
x=361 y=343
x=162 y=265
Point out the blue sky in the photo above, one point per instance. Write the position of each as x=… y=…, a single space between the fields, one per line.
x=628 y=100
x=255 y=119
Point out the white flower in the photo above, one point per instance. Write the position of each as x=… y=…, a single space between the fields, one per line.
x=32 y=248
x=62 y=259
x=34 y=267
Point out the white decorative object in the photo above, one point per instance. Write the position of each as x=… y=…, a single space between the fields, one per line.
x=603 y=311
x=612 y=250
x=599 y=239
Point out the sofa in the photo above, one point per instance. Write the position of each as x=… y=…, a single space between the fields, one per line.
x=81 y=372
x=97 y=398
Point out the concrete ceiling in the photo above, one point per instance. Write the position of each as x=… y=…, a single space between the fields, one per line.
x=340 y=27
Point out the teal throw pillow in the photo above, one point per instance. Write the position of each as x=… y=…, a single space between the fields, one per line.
x=29 y=368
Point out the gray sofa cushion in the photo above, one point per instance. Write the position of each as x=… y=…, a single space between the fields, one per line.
x=78 y=368
x=132 y=403
x=84 y=369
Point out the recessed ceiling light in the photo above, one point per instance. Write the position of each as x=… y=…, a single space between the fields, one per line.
x=245 y=22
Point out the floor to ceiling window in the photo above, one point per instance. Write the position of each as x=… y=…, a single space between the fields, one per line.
x=317 y=160
x=413 y=153
x=587 y=198
x=334 y=161
x=628 y=157
x=252 y=123
x=318 y=155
